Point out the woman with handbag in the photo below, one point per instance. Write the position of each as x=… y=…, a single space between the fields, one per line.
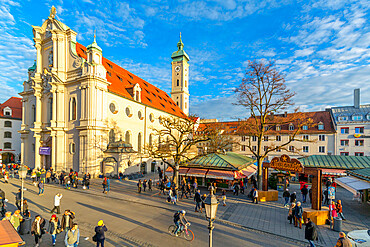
x=54 y=228
x=37 y=229
x=291 y=213
x=99 y=234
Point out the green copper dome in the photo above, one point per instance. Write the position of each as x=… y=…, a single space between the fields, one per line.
x=94 y=45
x=33 y=67
x=180 y=54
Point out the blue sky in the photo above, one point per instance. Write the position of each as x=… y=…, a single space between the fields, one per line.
x=322 y=46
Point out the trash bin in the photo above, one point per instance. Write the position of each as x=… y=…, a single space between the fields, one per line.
x=25 y=227
x=337 y=224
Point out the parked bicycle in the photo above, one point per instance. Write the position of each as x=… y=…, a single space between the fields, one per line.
x=184 y=231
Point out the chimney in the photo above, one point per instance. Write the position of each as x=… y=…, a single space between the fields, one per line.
x=285 y=114
x=357 y=98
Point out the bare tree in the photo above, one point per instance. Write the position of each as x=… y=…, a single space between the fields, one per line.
x=263 y=93
x=175 y=140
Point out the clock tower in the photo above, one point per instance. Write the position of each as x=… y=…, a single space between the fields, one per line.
x=180 y=78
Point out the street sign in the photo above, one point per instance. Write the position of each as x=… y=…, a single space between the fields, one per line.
x=331 y=192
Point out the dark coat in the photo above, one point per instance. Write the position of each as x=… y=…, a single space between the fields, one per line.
x=298 y=211
x=34 y=226
x=304 y=191
x=286 y=194
x=310 y=232
x=197 y=197
x=100 y=232
x=71 y=217
x=53 y=226
x=293 y=196
x=343 y=242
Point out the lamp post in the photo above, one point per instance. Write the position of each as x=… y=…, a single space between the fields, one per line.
x=22 y=172
x=211 y=205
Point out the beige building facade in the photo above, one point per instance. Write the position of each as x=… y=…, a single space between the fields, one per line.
x=84 y=112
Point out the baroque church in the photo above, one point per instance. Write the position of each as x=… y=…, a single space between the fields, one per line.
x=86 y=113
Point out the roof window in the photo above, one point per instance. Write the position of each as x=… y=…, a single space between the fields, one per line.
x=110 y=65
x=145 y=84
x=154 y=95
x=119 y=78
x=130 y=76
x=342 y=118
x=149 y=99
x=109 y=73
x=147 y=91
x=356 y=117
x=159 y=97
x=163 y=105
x=157 y=90
x=173 y=109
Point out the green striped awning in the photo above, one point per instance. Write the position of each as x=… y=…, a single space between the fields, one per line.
x=336 y=162
x=361 y=173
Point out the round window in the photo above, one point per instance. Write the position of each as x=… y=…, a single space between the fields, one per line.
x=128 y=112
x=151 y=117
x=113 y=108
x=140 y=115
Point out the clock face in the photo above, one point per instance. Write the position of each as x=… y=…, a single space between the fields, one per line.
x=177 y=69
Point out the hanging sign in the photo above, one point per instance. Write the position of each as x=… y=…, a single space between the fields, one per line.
x=285 y=163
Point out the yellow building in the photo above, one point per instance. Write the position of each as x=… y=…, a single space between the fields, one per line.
x=76 y=102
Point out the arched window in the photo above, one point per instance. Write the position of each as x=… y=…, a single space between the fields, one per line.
x=150 y=139
x=73 y=109
x=178 y=82
x=72 y=148
x=291 y=126
x=7 y=134
x=139 y=143
x=34 y=113
x=128 y=137
x=7 y=145
x=112 y=137
x=7 y=124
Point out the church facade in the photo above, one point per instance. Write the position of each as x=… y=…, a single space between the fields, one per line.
x=84 y=112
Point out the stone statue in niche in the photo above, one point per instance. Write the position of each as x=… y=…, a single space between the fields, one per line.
x=50 y=58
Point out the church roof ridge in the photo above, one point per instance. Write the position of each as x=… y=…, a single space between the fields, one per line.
x=122 y=79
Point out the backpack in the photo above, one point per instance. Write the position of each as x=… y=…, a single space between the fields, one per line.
x=176 y=216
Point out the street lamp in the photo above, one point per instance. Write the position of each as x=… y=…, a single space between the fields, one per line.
x=22 y=172
x=211 y=205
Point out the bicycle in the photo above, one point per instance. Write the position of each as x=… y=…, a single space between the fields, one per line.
x=185 y=232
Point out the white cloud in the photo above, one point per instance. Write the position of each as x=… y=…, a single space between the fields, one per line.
x=304 y=52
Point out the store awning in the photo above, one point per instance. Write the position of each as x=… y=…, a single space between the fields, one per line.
x=334 y=172
x=9 y=236
x=216 y=174
x=249 y=171
x=195 y=172
x=182 y=171
x=352 y=184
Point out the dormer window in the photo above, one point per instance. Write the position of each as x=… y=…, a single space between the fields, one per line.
x=137 y=92
x=368 y=116
x=320 y=126
x=356 y=117
x=7 y=111
x=304 y=127
x=278 y=127
x=291 y=126
x=343 y=118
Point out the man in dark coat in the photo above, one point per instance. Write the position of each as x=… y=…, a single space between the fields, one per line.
x=310 y=232
x=286 y=196
x=99 y=231
x=2 y=203
x=198 y=201
x=304 y=192
x=293 y=197
x=67 y=220
x=18 y=198
x=343 y=241
x=37 y=228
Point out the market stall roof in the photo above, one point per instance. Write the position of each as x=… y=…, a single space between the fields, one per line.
x=8 y=234
x=336 y=162
x=361 y=173
x=249 y=171
x=217 y=174
x=335 y=172
x=352 y=184
x=196 y=172
x=228 y=161
x=182 y=170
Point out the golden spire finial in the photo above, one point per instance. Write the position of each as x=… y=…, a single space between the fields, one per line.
x=180 y=35
x=95 y=36
x=53 y=12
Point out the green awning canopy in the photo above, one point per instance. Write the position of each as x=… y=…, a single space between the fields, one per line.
x=336 y=162
x=361 y=173
x=229 y=161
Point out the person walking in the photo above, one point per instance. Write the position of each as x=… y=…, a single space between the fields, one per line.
x=54 y=228
x=25 y=212
x=195 y=185
x=174 y=195
x=291 y=214
x=241 y=186
x=333 y=210
x=340 y=209
x=293 y=197
x=57 y=199
x=145 y=183
x=310 y=232
x=236 y=189
x=108 y=184
x=198 y=201
x=8 y=216
x=33 y=176
x=37 y=229
x=139 y=186
x=183 y=190
x=343 y=241
x=18 y=199
x=286 y=196
x=326 y=197
x=16 y=219
x=161 y=187
x=41 y=187
x=255 y=196
x=104 y=183
x=304 y=192
x=67 y=220
x=72 y=238
x=2 y=202
x=150 y=183
x=298 y=215
x=99 y=233
x=188 y=189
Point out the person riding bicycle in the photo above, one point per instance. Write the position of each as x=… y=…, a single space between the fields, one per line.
x=180 y=220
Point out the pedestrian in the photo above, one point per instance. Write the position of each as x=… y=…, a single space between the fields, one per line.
x=326 y=197
x=310 y=232
x=16 y=219
x=286 y=196
x=2 y=202
x=255 y=196
x=25 y=212
x=161 y=187
x=139 y=186
x=104 y=183
x=8 y=216
x=72 y=238
x=223 y=197
x=37 y=229
x=6 y=177
x=241 y=186
x=236 y=189
x=174 y=195
x=108 y=184
x=67 y=220
x=18 y=199
x=145 y=183
x=333 y=210
x=150 y=183
x=57 y=199
x=310 y=194
x=298 y=212
x=304 y=192
x=343 y=241
x=293 y=197
x=195 y=185
x=41 y=187
x=188 y=189
x=99 y=233
x=198 y=201
x=47 y=176
x=33 y=176
x=291 y=214
x=204 y=196
x=340 y=209
x=183 y=190
x=54 y=228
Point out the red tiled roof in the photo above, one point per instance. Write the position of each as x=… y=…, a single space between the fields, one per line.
x=15 y=104
x=121 y=80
